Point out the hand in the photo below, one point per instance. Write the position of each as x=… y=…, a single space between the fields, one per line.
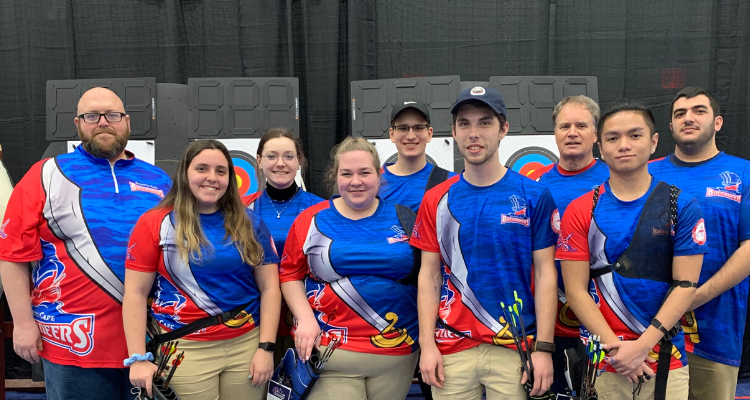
x=629 y=356
x=142 y=375
x=431 y=366
x=304 y=338
x=543 y=372
x=644 y=369
x=261 y=368
x=27 y=341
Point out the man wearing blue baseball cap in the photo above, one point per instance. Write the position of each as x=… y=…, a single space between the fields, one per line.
x=488 y=225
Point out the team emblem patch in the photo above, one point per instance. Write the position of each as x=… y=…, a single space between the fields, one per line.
x=400 y=235
x=2 y=229
x=555 y=221
x=729 y=189
x=518 y=215
x=564 y=244
x=139 y=187
x=477 y=91
x=699 y=232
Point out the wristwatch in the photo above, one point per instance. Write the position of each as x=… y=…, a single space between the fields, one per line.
x=546 y=347
x=267 y=346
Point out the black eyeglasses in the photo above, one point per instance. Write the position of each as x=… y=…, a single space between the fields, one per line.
x=92 y=118
x=418 y=128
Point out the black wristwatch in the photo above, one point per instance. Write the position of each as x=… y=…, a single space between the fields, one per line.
x=267 y=346
x=546 y=347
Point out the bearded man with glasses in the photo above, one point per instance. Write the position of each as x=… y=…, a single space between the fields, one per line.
x=71 y=216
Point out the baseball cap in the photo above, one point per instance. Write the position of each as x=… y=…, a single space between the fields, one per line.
x=416 y=105
x=486 y=95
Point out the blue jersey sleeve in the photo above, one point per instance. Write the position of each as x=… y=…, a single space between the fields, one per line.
x=542 y=230
x=263 y=236
x=745 y=214
x=690 y=234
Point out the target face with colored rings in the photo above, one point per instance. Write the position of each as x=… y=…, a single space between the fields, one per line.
x=528 y=154
x=245 y=168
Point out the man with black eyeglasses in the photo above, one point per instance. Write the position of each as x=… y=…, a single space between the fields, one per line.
x=406 y=180
x=71 y=216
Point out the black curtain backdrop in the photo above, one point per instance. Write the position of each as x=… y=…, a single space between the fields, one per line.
x=640 y=49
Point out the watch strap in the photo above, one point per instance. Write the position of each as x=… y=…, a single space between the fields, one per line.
x=546 y=347
x=267 y=346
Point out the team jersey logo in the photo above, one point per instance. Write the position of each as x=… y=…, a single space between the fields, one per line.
x=415 y=231
x=2 y=229
x=555 y=221
x=74 y=332
x=593 y=293
x=400 y=235
x=518 y=215
x=729 y=189
x=564 y=243
x=129 y=256
x=167 y=303
x=699 y=232
x=314 y=296
x=139 y=187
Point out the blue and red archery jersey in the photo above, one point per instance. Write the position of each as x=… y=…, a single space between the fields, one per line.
x=188 y=290
x=354 y=267
x=485 y=237
x=279 y=216
x=566 y=186
x=627 y=304
x=72 y=215
x=714 y=331
x=406 y=190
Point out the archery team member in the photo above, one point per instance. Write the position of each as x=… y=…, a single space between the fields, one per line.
x=488 y=225
x=642 y=242
x=713 y=331
x=576 y=173
x=209 y=255
x=406 y=181
x=279 y=157
x=71 y=216
x=347 y=266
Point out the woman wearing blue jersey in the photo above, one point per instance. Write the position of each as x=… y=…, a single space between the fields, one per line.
x=346 y=269
x=209 y=256
x=279 y=157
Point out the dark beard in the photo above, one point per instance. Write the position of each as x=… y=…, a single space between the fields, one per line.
x=107 y=152
x=695 y=145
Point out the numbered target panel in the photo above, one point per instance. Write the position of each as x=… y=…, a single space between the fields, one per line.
x=241 y=107
x=373 y=101
x=530 y=100
x=137 y=94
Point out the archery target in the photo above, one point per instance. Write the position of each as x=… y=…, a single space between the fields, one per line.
x=439 y=151
x=243 y=153
x=144 y=150
x=528 y=154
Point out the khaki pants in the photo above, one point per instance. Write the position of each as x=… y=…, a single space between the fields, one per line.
x=468 y=373
x=350 y=375
x=613 y=386
x=710 y=380
x=219 y=369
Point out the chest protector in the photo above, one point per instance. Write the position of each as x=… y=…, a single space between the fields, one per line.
x=648 y=256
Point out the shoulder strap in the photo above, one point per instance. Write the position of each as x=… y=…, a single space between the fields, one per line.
x=437 y=176
x=197 y=325
x=408 y=218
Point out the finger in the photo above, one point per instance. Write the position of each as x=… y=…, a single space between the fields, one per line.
x=647 y=369
x=440 y=375
x=149 y=389
x=524 y=378
x=649 y=359
x=537 y=388
x=34 y=355
x=39 y=344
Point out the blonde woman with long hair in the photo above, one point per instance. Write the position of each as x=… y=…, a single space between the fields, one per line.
x=347 y=268
x=208 y=255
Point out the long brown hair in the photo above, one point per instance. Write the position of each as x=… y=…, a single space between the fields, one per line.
x=188 y=228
